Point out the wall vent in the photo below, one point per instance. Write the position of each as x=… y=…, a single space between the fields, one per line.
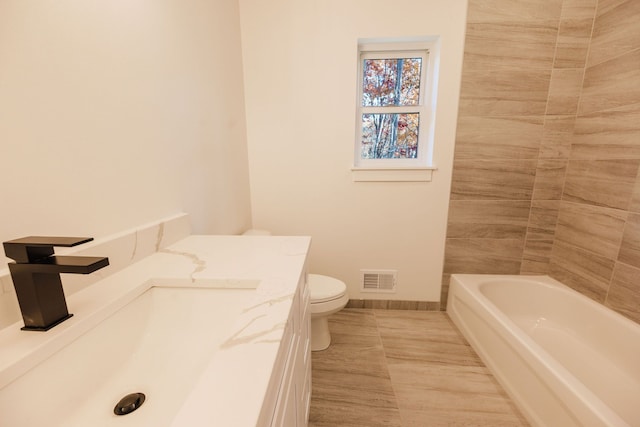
x=378 y=280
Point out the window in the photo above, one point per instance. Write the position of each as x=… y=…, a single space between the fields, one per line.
x=394 y=127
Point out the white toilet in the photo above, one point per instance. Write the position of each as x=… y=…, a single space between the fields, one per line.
x=328 y=296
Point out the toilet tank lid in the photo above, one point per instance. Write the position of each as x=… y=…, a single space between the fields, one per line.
x=325 y=288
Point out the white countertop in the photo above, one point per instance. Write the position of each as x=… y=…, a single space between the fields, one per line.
x=233 y=386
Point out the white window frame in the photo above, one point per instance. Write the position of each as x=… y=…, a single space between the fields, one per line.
x=421 y=168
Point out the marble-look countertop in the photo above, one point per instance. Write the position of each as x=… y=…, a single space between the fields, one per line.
x=233 y=386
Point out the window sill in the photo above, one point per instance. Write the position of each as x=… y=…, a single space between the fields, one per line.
x=422 y=174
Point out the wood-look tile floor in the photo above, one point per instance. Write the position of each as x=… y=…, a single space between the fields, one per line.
x=404 y=369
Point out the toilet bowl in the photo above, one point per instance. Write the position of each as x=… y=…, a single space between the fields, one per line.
x=328 y=296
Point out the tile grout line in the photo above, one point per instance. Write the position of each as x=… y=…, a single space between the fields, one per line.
x=410 y=414
x=386 y=365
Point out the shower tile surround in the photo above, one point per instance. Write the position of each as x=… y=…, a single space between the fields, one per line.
x=546 y=171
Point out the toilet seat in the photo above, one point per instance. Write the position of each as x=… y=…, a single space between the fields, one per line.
x=325 y=288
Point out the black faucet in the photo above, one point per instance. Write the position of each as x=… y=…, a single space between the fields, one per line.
x=36 y=277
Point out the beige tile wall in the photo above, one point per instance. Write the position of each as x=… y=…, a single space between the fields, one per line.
x=597 y=240
x=546 y=175
x=502 y=126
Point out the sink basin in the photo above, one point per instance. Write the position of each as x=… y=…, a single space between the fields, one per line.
x=157 y=344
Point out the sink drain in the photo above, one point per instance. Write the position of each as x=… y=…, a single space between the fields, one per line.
x=129 y=403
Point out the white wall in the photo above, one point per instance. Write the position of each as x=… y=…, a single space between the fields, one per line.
x=300 y=82
x=114 y=113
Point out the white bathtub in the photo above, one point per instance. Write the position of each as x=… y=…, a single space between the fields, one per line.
x=564 y=359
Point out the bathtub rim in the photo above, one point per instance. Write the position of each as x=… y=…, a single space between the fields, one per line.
x=554 y=375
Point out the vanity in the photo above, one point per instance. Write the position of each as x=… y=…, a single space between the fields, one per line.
x=210 y=330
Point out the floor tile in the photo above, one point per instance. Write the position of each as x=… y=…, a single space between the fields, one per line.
x=350 y=380
x=402 y=368
x=430 y=395
x=425 y=337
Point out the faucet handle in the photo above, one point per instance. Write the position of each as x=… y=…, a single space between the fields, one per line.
x=34 y=248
